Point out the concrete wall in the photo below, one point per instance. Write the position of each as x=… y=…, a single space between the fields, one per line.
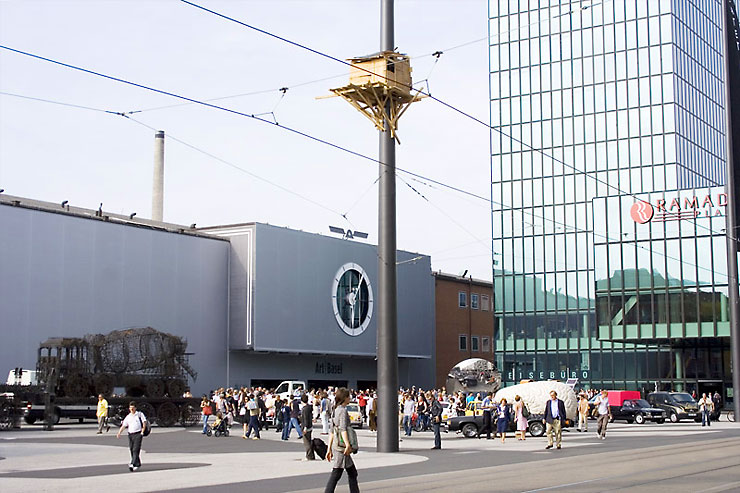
x=62 y=275
x=293 y=309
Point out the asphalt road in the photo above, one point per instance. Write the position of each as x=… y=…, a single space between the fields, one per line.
x=668 y=457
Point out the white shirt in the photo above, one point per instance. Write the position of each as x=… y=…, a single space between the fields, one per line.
x=554 y=409
x=409 y=407
x=603 y=403
x=132 y=422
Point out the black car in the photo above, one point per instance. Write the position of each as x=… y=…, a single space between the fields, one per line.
x=469 y=425
x=638 y=411
x=677 y=405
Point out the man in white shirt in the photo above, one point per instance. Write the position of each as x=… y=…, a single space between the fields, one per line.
x=605 y=413
x=136 y=423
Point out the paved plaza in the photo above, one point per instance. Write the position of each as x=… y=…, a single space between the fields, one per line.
x=668 y=457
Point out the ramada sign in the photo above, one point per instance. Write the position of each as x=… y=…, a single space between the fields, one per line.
x=687 y=208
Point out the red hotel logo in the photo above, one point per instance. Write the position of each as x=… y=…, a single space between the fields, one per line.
x=643 y=212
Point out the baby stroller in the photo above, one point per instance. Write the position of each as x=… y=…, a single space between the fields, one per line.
x=220 y=429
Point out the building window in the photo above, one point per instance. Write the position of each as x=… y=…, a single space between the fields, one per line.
x=484 y=303
x=474 y=343
x=463 y=343
x=474 y=301
x=462 y=299
x=486 y=344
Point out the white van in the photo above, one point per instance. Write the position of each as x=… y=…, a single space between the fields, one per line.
x=288 y=388
x=19 y=376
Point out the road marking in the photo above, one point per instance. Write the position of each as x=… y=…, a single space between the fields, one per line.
x=722 y=487
x=565 y=485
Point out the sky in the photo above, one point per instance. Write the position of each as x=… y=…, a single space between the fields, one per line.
x=225 y=168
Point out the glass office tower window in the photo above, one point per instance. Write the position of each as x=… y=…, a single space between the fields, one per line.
x=589 y=105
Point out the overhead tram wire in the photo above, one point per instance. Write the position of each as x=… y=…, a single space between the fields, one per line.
x=449 y=106
x=239 y=168
x=436 y=54
x=186 y=144
x=419 y=178
x=489 y=201
x=245 y=94
x=243 y=114
x=513 y=30
x=59 y=103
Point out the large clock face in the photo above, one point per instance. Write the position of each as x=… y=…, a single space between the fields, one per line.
x=352 y=299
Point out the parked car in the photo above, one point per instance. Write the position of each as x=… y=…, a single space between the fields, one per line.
x=637 y=411
x=355 y=416
x=469 y=425
x=677 y=405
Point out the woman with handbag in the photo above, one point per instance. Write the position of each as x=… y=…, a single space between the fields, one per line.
x=520 y=418
x=206 y=410
x=339 y=452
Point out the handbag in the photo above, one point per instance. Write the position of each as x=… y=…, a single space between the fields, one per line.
x=352 y=439
x=207 y=410
x=525 y=411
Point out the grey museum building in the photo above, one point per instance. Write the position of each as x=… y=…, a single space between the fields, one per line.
x=257 y=303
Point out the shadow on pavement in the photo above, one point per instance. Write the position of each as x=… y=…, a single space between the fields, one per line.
x=91 y=471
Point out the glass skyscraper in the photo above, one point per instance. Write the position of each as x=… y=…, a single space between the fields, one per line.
x=607 y=169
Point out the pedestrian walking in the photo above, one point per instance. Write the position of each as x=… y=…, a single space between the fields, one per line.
x=253 y=409
x=554 y=417
x=717 y=401
x=102 y=414
x=307 y=427
x=503 y=416
x=582 y=413
x=206 y=410
x=294 y=413
x=486 y=406
x=521 y=419
x=340 y=456
x=706 y=406
x=374 y=413
x=409 y=407
x=435 y=410
x=605 y=413
x=325 y=413
x=136 y=423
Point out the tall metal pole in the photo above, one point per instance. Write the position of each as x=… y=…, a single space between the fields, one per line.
x=731 y=230
x=158 y=178
x=387 y=310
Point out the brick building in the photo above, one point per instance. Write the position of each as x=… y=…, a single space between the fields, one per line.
x=464 y=319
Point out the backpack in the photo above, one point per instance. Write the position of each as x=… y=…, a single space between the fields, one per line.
x=148 y=428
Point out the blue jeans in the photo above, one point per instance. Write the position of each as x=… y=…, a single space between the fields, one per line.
x=205 y=422
x=407 y=424
x=293 y=423
x=706 y=418
x=254 y=425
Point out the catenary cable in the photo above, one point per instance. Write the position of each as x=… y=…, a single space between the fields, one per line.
x=415 y=175
x=186 y=144
x=449 y=106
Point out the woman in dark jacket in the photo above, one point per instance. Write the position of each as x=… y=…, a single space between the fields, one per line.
x=503 y=418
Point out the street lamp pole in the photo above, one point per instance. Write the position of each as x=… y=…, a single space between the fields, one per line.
x=387 y=308
x=731 y=219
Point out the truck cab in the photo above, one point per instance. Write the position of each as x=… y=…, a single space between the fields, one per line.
x=288 y=388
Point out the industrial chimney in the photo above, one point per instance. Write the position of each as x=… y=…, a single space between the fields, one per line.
x=158 y=180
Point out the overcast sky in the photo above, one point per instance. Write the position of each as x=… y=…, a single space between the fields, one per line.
x=54 y=153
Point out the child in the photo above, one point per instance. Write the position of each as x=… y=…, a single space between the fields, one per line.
x=219 y=418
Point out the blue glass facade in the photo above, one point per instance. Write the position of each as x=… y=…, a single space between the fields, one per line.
x=593 y=103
